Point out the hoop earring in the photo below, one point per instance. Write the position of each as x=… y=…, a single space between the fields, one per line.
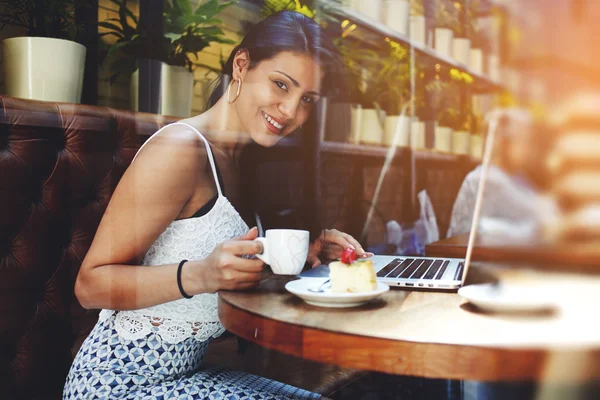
x=239 y=89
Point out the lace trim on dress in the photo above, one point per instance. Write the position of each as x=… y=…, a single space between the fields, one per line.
x=137 y=326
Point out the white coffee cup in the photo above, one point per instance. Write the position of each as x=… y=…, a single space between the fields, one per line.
x=285 y=250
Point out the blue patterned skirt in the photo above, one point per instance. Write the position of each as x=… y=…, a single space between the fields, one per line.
x=110 y=367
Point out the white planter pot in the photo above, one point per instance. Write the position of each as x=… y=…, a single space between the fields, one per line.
x=476 y=61
x=443 y=138
x=461 y=50
x=417 y=134
x=176 y=91
x=371 y=8
x=494 y=67
x=43 y=69
x=476 y=148
x=460 y=142
x=396 y=125
x=371 y=131
x=355 y=123
x=443 y=41
x=396 y=15
x=417 y=29
x=177 y=88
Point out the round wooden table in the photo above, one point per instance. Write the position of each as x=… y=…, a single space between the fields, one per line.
x=429 y=334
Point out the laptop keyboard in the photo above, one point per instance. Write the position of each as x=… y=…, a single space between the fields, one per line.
x=417 y=268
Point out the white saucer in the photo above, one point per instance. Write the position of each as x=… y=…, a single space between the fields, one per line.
x=509 y=298
x=327 y=298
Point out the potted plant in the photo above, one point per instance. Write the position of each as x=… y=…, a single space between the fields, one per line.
x=363 y=93
x=188 y=30
x=461 y=43
x=367 y=83
x=372 y=115
x=448 y=120
x=479 y=47
x=417 y=22
x=447 y=23
x=418 y=107
x=461 y=135
x=51 y=30
x=395 y=71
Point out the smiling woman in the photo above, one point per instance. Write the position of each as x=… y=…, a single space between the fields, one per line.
x=170 y=239
x=285 y=64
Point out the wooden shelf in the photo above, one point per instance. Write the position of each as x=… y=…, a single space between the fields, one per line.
x=363 y=150
x=481 y=82
x=369 y=150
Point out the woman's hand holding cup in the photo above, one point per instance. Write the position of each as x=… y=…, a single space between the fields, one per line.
x=226 y=269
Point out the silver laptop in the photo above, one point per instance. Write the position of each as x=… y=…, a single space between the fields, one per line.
x=427 y=272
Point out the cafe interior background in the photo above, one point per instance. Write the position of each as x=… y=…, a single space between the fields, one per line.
x=423 y=79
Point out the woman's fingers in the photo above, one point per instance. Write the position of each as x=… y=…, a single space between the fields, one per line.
x=344 y=240
x=359 y=250
x=250 y=235
x=335 y=236
x=314 y=261
x=245 y=265
x=242 y=247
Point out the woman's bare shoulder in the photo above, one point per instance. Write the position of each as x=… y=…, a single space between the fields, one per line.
x=177 y=144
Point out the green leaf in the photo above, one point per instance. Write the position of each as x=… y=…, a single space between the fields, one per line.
x=111 y=26
x=221 y=40
x=210 y=30
x=226 y=4
x=208 y=9
x=184 y=6
x=194 y=44
x=173 y=36
x=118 y=35
x=125 y=10
x=119 y=45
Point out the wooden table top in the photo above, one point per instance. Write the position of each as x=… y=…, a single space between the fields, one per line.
x=573 y=257
x=419 y=333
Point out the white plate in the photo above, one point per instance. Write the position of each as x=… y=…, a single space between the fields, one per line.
x=506 y=298
x=327 y=298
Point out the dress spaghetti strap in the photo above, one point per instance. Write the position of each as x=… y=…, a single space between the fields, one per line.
x=208 y=151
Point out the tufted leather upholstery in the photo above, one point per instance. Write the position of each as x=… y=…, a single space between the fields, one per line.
x=59 y=165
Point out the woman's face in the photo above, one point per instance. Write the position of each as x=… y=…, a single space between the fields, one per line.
x=277 y=95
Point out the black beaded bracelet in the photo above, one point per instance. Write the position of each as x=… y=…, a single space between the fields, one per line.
x=183 y=293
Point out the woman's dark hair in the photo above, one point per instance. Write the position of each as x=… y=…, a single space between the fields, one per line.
x=292 y=32
x=288 y=31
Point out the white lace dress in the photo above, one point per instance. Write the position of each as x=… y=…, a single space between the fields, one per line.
x=157 y=352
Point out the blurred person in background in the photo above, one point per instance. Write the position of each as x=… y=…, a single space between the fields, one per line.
x=512 y=203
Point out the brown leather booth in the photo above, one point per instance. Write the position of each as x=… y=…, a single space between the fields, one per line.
x=59 y=165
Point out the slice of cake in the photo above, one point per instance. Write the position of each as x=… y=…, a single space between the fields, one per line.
x=351 y=275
